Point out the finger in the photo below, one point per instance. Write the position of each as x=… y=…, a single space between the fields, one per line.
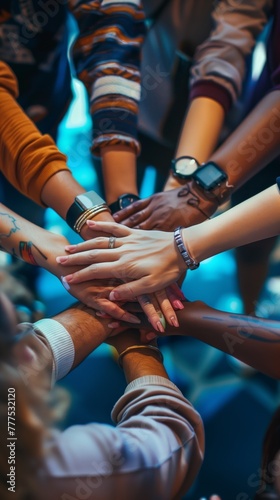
x=166 y=308
x=111 y=228
x=94 y=271
x=114 y=310
x=175 y=297
x=130 y=290
x=150 y=307
x=99 y=243
x=135 y=207
x=89 y=257
x=146 y=336
x=138 y=218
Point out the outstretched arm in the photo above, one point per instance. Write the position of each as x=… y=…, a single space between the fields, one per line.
x=150 y=259
x=255 y=341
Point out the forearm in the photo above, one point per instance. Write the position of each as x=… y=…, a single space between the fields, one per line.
x=119 y=171
x=30 y=243
x=201 y=129
x=64 y=182
x=200 y=133
x=255 y=219
x=254 y=341
x=253 y=144
x=85 y=329
x=137 y=363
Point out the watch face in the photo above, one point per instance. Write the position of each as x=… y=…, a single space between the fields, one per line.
x=184 y=166
x=127 y=199
x=209 y=176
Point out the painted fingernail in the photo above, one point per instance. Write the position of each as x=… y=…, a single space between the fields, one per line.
x=113 y=296
x=64 y=282
x=61 y=260
x=131 y=319
x=101 y=314
x=174 y=321
x=68 y=278
x=162 y=319
x=178 y=304
x=150 y=336
x=70 y=248
x=114 y=324
x=160 y=327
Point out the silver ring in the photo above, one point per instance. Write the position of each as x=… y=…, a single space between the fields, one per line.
x=112 y=242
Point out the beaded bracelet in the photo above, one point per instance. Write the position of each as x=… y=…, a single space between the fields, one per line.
x=139 y=347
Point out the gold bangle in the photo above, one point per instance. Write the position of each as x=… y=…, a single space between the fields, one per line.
x=139 y=347
x=91 y=212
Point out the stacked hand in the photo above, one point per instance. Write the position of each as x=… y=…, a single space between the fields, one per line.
x=147 y=261
x=184 y=206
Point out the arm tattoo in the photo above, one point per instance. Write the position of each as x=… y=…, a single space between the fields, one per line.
x=26 y=252
x=12 y=223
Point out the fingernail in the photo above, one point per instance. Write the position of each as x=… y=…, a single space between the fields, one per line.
x=91 y=223
x=162 y=319
x=101 y=314
x=160 y=327
x=70 y=248
x=114 y=324
x=64 y=282
x=150 y=336
x=131 y=319
x=113 y=296
x=116 y=217
x=174 y=321
x=68 y=278
x=178 y=304
x=61 y=260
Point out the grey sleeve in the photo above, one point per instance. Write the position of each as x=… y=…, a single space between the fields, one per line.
x=155 y=451
x=220 y=60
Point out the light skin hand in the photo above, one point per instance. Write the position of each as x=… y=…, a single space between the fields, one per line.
x=128 y=260
x=167 y=210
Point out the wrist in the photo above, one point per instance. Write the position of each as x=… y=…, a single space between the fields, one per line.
x=141 y=363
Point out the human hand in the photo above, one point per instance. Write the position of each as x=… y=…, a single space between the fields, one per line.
x=184 y=206
x=127 y=261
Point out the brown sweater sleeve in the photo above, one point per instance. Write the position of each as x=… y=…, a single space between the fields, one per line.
x=27 y=158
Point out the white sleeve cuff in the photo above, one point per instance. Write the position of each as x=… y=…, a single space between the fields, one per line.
x=151 y=380
x=61 y=345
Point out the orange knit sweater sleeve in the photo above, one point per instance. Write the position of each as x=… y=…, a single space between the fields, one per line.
x=27 y=158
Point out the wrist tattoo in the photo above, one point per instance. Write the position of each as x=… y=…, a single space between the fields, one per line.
x=26 y=252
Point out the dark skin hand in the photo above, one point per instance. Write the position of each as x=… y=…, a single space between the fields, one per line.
x=184 y=206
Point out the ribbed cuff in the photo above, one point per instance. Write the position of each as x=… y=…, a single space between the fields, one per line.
x=151 y=380
x=61 y=345
x=212 y=90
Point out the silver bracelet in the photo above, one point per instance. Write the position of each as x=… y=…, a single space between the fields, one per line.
x=189 y=261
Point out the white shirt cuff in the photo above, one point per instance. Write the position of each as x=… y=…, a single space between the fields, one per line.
x=61 y=345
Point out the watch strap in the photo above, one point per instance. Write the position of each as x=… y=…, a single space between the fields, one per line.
x=116 y=205
x=82 y=203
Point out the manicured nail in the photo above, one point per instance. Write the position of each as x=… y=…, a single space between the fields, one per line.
x=131 y=319
x=162 y=319
x=64 y=282
x=68 y=278
x=70 y=248
x=114 y=324
x=178 y=304
x=61 y=260
x=150 y=336
x=91 y=223
x=174 y=321
x=101 y=314
x=114 y=296
x=160 y=327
